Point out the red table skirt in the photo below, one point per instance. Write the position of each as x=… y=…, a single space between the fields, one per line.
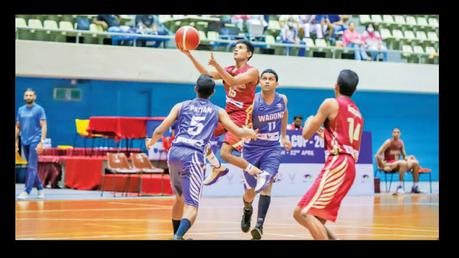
x=83 y=173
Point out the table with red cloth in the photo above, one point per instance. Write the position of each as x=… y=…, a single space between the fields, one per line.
x=118 y=127
x=83 y=173
x=86 y=151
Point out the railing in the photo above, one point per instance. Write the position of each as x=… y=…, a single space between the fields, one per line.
x=263 y=45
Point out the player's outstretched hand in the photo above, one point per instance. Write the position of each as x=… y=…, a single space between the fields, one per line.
x=148 y=143
x=186 y=52
x=286 y=143
x=212 y=61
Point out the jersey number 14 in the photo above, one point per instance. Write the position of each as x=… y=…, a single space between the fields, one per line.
x=353 y=132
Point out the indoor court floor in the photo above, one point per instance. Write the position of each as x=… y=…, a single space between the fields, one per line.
x=378 y=217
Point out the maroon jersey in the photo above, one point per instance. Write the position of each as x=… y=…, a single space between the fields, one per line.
x=344 y=133
x=393 y=152
x=239 y=97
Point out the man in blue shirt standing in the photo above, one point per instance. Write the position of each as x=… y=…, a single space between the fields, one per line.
x=31 y=125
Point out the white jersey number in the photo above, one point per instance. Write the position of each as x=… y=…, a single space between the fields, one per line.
x=353 y=132
x=195 y=125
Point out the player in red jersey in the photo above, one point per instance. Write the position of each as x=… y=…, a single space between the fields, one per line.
x=343 y=126
x=240 y=81
x=392 y=149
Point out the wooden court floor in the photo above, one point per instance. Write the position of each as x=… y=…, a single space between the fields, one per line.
x=379 y=217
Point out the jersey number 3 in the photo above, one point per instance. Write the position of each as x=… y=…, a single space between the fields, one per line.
x=353 y=132
x=195 y=125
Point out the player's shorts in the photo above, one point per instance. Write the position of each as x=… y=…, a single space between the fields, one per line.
x=187 y=171
x=240 y=118
x=325 y=195
x=390 y=163
x=265 y=158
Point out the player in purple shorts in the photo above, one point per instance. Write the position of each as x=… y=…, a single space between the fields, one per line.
x=269 y=117
x=196 y=122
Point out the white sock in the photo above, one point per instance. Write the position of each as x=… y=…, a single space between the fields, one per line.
x=251 y=169
x=214 y=162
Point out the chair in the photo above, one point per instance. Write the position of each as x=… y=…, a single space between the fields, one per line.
x=20 y=161
x=422 y=171
x=376 y=19
x=364 y=19
x=51 y=27
x=433 y=22
x=93 y=38
x=400 y=21
x=36 y=30
x=407 y=52
x=388 y=21
x=141 y=162
x=397 y=37
x=81 y=130
x=409 y=37
x=322 y=46
x=411 y=21
x=117 y=163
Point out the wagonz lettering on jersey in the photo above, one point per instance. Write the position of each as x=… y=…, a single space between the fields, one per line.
x=269 y=117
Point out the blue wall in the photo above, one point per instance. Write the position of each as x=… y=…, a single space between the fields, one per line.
x=415 y=114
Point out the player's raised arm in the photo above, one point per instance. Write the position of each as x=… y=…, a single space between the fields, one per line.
x=161 y=129
x=201 y=69
x=226 y=121
x=313 y=123
x=284 y=139
x=250 y=76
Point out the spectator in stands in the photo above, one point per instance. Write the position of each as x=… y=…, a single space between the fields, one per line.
x=336 y=38
x=31 y=126
x=150 y=25
x=107 y=21
x=112 y=23
x=297 y=123
x=289 y=35
x=373 y=43
x=352 y=39
x=256 y=25
x=284 y=19
x=240 y=21
x=310 y=24
x=388 y=159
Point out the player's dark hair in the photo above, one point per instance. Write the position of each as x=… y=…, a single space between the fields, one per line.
x=30 y=89
x=347 y=82
x=205 y=86
x=298 y=116
x=270 y=71
x=248 y=45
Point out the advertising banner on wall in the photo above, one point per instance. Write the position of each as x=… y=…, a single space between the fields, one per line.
x=298 y=169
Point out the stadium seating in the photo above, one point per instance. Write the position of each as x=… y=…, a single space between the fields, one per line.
x=395 y=30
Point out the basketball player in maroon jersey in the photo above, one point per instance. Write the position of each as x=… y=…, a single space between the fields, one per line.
x=240 y=81
x=343 y=126
x=392 y=149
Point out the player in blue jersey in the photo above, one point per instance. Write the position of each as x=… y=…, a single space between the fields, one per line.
x=196 y=122
x=269 y=118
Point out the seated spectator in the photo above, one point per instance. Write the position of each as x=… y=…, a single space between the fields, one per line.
x=373 y=43
x=339 y=27
x=392 y=149
x=310 y=24
x=297 y=123
x=256 y=25
x=289 y=35
x=150 y=25
x=352 y=39
x=240 y=21
x=111 y=23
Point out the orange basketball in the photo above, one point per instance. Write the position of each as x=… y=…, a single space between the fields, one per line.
x=187 y=38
